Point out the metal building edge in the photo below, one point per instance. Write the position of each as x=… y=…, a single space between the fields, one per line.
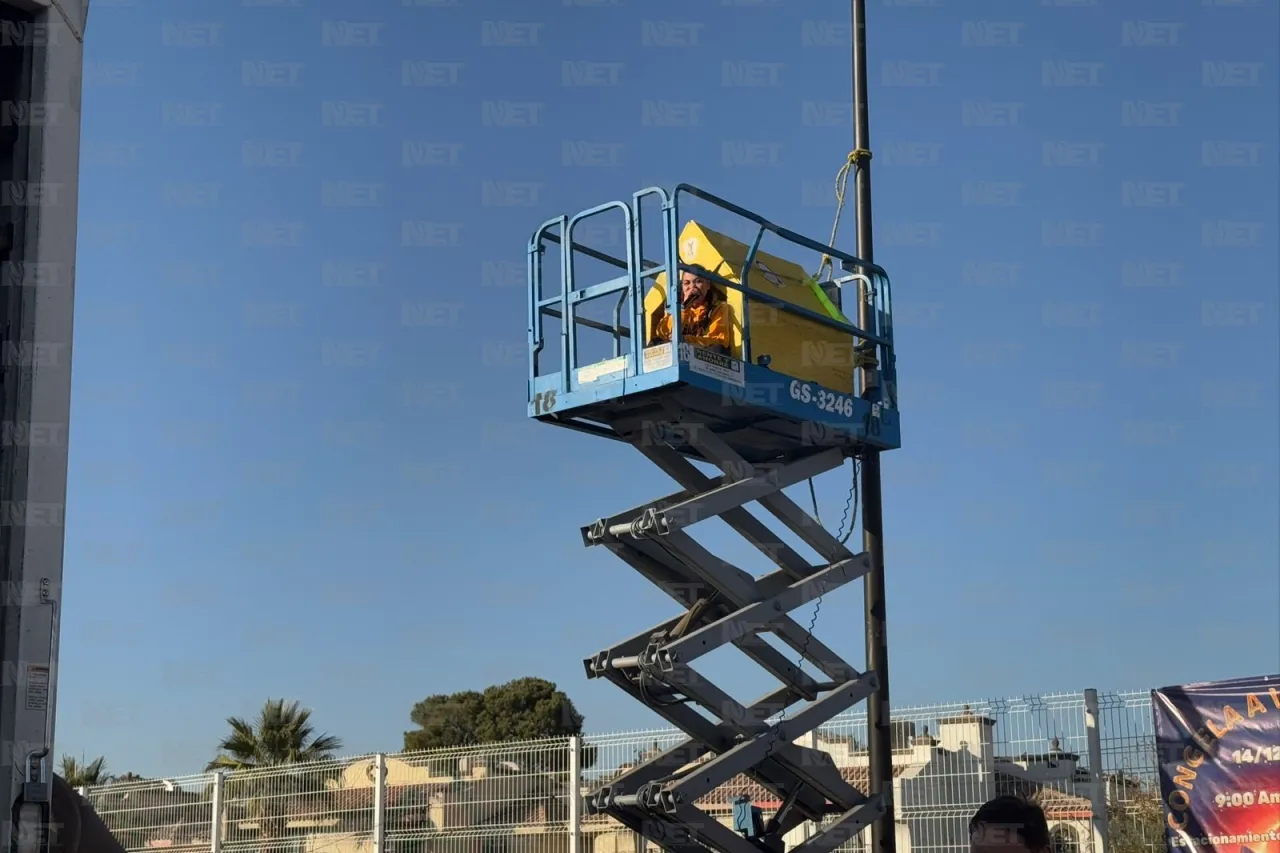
x=37 y=401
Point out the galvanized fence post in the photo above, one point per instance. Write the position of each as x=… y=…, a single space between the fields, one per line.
x=512 y=793
x=810 y=827
x=1098 y=790
x=380 y=803
x=575 y=793
x=215 y=825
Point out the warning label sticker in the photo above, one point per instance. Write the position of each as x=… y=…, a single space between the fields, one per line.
x=657 y=358
x=37 y=688
x=601 y=369
x=713 y=364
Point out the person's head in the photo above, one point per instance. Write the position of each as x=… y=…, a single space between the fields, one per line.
x=1009 y=825
x=695 y=285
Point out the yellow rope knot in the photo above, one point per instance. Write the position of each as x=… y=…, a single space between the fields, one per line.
x=842 y=182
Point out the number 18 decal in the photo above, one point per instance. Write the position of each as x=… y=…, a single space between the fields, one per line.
x=544 y=402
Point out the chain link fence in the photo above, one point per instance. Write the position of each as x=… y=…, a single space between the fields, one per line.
x=1087 y=759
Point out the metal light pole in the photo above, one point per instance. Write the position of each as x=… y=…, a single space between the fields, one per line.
x=879 y=730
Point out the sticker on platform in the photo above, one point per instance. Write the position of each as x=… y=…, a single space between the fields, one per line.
x=601 y=369
x=769 y=274
x=37 y=688
x=657 y=358
x=714 y=365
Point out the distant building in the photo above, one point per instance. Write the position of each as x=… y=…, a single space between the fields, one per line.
x=484 y=804
x=939 y=782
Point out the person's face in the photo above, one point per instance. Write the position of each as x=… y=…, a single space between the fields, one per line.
x=997 y=839
x=693 y=289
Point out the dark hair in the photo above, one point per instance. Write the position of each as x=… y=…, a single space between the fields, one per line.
x=1023 y=816
x=714 y=297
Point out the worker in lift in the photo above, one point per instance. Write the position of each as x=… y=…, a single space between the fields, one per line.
x=705 y=319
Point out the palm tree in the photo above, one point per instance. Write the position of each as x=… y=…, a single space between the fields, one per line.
x=84 y=775
x=283 y=734
x=281 y=737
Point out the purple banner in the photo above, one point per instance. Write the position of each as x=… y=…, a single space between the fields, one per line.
x=1219 y=748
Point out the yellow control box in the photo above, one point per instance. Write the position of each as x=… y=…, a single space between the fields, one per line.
x=795 y=346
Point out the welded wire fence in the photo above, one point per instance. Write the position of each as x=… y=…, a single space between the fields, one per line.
x=520 y=797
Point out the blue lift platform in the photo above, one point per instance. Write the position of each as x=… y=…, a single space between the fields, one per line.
x=764 y=415
x=765 y=429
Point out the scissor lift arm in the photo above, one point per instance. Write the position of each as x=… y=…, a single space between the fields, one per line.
x=724 y=605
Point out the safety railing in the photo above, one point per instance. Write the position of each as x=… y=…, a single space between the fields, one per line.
x=871 y=331
x=874 y=325
x=1088 y=757
x=566 y=306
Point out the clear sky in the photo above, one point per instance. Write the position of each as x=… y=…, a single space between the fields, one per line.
x=300 y=463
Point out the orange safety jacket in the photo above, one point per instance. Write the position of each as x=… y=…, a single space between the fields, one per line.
x=699 y=329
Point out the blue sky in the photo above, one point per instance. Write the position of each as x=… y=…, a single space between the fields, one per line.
x=280 y=487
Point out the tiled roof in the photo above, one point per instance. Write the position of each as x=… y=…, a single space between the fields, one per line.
x=722 y=798
x=1057 y=805
x=720 y=801
x=361 y=799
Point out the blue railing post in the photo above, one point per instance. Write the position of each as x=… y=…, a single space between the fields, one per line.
x=633 y=263
x=636 y=272
x=889 y=372
x=641 y=277
x=747 y=266
x=533 y=269
x=570 y=300
x=566 y=308
x=671 y=246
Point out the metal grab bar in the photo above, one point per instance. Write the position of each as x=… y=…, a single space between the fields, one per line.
x=537 y=340
x=785 y=233
x=590 y=324
x=568 y=326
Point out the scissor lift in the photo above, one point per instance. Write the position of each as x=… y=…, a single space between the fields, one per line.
x=765 y=431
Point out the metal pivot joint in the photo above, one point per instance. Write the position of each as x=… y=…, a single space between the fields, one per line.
x=663 y=797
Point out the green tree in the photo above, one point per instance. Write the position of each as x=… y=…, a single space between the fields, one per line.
x=276 y=765
x=523 y=709
x=139 y=810
x=1135 y=819
x=80 y=775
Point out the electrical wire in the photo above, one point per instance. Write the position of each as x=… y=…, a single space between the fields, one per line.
x=642 y=685
x=850 y=516
x=850 y=513
x=851 y=503
x=842 y=180
x=813 y=496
